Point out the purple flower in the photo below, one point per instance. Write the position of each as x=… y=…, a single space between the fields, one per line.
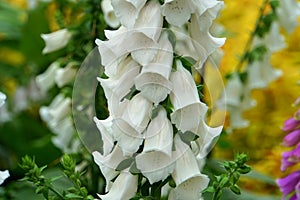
x=290 y=158
x=292 y=138
x=289 y=183
x=291 y=124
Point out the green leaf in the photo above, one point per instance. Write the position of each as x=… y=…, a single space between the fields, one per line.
x=133 y=169
x=235 y=189
x=73 y=196
x=125 y=164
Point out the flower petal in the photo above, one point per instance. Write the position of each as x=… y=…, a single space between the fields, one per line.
x=3 y=175
x=56 y=40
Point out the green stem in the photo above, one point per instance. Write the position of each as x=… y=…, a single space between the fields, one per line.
x=55 y=191
x=250 y=40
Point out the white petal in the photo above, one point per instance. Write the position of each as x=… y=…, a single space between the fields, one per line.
x=109 y=15
x=155 y=165
x=233 y=90
x=129 y=140
x=186 y=163
x=153 y=87
x=159 y=134
x=184 y=88
x=138 y=113
x=127 y=10
x=150 y=20
x=143 y=49
x=236 y=119
x=190 y=189
x=206 y=137
x=46 y=80
x=274 y=40
x=124 y=187
x=3 y=175
x=56 y=40
x=119 y=85
x=105 y=129
x=66 y=75
x=177 y=12
x=288 y=12
x=188 y=117
x=2 y=99
x=204 y=43
x=108 y=164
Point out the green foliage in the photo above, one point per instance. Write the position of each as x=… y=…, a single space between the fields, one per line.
x=229 y=179
x=45 y=186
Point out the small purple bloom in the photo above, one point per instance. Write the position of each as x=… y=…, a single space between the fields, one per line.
x=291 y=124
x=292 y=138
x=290 y=158
x=288 y=184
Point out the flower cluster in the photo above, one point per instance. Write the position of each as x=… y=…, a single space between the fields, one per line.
x=156 y=124
x=258 y=73
x=290 y=185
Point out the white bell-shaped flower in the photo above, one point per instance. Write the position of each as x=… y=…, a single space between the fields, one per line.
x=236 y=118
x=128 y=10
x=129 y=127
x=66 y=75
x=109 y=15
x=261 y=73
x=124 y=187
x=150 y=20
x=274 y=40
x=2 y=99
x=46 y=80
x=204 y=43
x=288 y=13
x=3 y=175
x=64 y=137
x=156 y=161
x=105 y=128
x=188 y=110
x=153 y=81
x=56 y=40
x=205 y=142
x=178 y=12
x=109 y=163
x=187 y=176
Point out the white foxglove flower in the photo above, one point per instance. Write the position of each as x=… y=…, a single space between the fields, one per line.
x=233 y=92
x=156 y=162
x=109 y=163
x=153 y=81
x=204 y=43
x=124 y=187
x=261 y=73
x=56 y=40
x=128 y=10
x=64 y=137
x=64 y=76
x=59 y=109
x=274 y=40
x=187 y=176
x=206 y=135
x=2 y=99
x=159 y=134
x=3 y=175
x=105 y=128
x=188 y=110
x=178 y=12
x=150 y=20
x=236 y=118
x=155 y=165
x=119 y=84
x=46 y=80
x=109 y=15
x=128 y=128
x=288 y=13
